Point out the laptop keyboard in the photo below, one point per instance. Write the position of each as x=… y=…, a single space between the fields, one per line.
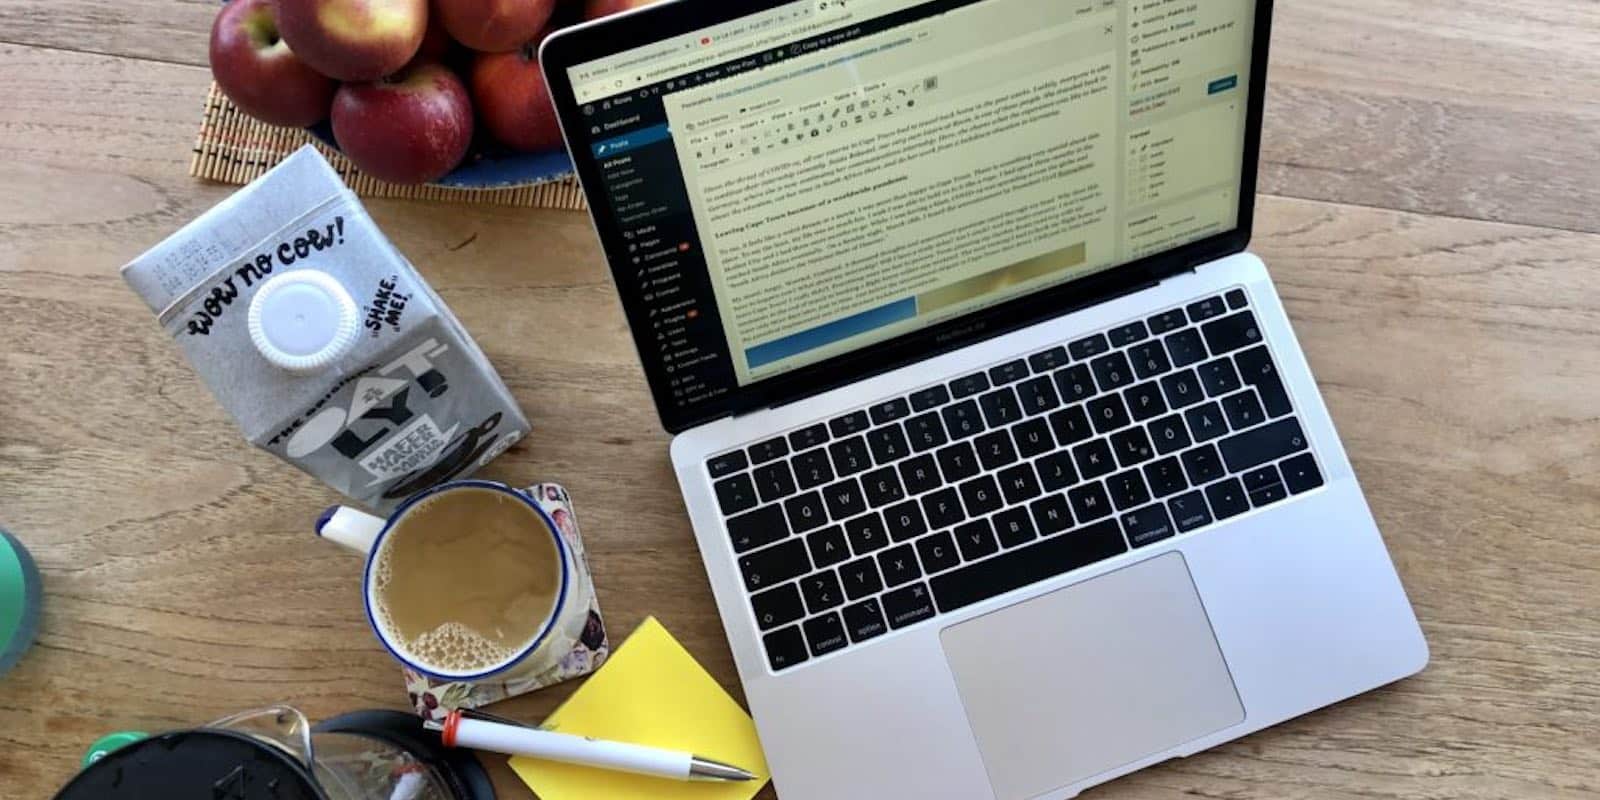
x=924 y=504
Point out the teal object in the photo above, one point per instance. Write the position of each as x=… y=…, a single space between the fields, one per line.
x=20 y=596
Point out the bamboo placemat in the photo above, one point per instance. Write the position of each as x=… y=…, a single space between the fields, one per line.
x=233 y=148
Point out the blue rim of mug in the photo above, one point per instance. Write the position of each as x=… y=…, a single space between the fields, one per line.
x=400 y=513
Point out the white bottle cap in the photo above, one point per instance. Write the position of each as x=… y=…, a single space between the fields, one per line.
x=304 y=321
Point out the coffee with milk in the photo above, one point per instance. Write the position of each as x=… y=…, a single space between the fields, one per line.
x=323 y=342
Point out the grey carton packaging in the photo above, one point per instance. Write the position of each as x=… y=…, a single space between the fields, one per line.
x=411 y=403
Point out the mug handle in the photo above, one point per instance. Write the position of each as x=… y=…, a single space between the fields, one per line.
x=350 y=528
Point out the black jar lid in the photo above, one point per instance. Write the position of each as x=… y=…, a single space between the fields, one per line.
x=203 y=764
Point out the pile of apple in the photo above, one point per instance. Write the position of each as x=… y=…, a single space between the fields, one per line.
x=389 y=74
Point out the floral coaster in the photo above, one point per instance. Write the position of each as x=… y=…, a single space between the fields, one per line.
x=435 y=699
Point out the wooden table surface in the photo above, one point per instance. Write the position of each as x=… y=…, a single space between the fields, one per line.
x=1429 y=209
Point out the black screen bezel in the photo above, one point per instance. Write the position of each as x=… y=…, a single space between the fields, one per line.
x=656 y=23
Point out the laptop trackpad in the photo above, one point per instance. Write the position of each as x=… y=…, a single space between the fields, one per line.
x=1068 y=685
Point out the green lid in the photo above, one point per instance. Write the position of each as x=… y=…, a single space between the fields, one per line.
x=109 y=743
x=19 y=600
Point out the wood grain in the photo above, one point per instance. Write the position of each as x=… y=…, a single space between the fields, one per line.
x=1456 y=355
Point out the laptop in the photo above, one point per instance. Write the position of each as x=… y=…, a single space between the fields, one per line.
x=1007 y=470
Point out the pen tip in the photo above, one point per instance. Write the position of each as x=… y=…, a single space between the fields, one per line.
x=705 y=769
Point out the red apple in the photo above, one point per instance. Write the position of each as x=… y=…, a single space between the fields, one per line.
x=511 y=97
x=258 y=71
x=436 y=42
x=411 y=127
x=354 y=40
x=595 y=9
x=494 y=26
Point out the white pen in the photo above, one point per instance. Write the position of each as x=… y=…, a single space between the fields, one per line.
x=521 y=740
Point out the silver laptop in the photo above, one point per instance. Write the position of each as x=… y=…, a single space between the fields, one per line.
x=1007 y=470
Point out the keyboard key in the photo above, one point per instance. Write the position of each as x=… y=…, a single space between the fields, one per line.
x=1000 y=407
x=980 y=495
x=1260 y=478
x=779 y=606
x=975 y=383
x=1149 y=360
x=1147 y=526
x=850 y=455
x=1051 y=514
x=888 y=444
x=726 y=464
x=807 y=438
x=863 y=621
x=899 y=566
x=1018 y=484
x=1203 y=465
x=1206 y=309
x=1052 y=359
x=1257 y=369
x=785 y=648
x=1010 y=372
x=943 y=508
x=1168 y=321
x=1185 y=348
x=812 y=468
x=1085 y=349
x=1165 y=477
x=769 y=450
x=938 y=552
x=805 y=512
x=1038 y=395
x=1112 y=371
x=1032 y=437
x=1108 y=413
x=1260 y=445
x=920 y=474
x=1124 y=335
x=1205 y=422
x=1089 y=502
x=827 y=547
x=889 y=411
x=777 y=564
x=1071 y=425
x=1219 y=377
x=1169 y=434
x=995 y=449
x=849 y=423
x=735 y=494
x=860 y=578
x=844 y=499
x=1144 y=401
x=1236 y=299
x=1268 y=496
x=963 y=420
x=976 y=539
x=958 y=462
x=1189 y=511
x=774 y=481
x=825 y=634
x=1132 y=447
x=1024 y=566
x=1182 y=389
x=1056 y=471
x=1075 y=383
x=925 y=432
x=929 y=398
x=1300 y=473
x=908 y=606
x=758 y=528
x=882 y=487
x=1243 y=410
x=1227 y=498
x=905 y=521
x=1127 y=489
x=1094 y=459
x=821 y=591
x=1014 y=527
x=1231 y=333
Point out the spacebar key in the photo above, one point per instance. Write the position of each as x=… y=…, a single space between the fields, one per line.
x=1027 y=565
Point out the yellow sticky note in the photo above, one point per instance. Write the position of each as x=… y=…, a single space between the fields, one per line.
x=650 y=692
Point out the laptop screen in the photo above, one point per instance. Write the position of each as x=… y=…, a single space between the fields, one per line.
x=825 y=175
